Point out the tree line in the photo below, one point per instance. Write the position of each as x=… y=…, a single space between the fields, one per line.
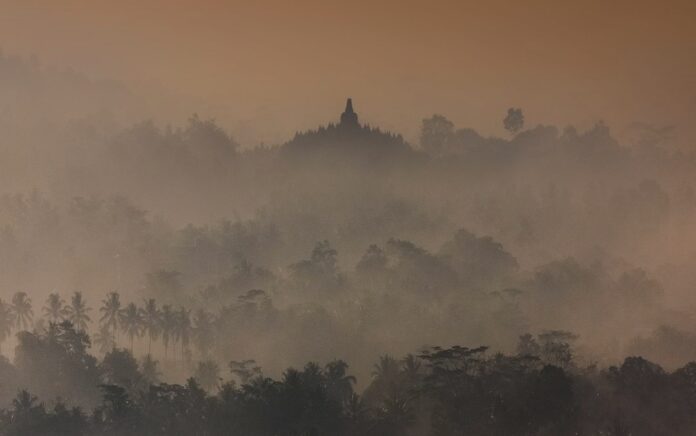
x=541 y=389
x=174 y=327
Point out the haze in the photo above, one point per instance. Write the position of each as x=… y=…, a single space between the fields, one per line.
x=347 y=218
x=248 y=63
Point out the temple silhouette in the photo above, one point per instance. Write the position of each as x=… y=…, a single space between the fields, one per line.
x=347 y=138
x=349 y=118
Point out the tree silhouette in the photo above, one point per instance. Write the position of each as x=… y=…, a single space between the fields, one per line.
x=77 y=312
x=54 y=310
x=386 y=369
x=131 y=322
x=395 y=415
x=6 y=321
x=451 y=391
x=150 y=316
x=182 y=330
x=411 y=368
x=150 y=372
x=556 y=347
x=21 y=310
x=203 y=331
x=56 y=363
x=320 y=271
x=339 y=384
x=514 y=121
x=119 y=367
x=357 y=414
x=245 y=370
x=111 y=308
x=168 y=325
x=104 y=339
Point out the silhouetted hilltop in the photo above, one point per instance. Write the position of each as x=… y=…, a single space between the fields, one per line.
x=348 y=138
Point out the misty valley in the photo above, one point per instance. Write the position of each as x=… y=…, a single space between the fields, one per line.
x=162 y=278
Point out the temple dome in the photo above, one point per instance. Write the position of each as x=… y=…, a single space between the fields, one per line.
x=345 y=141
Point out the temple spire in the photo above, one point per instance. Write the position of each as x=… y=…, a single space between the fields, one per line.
x=349 y=118
x=349 y=106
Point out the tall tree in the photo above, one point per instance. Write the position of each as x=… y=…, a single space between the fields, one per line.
x=338 y=383
x=151 y=374
x=77 y=312
x=203 y=331
x=182 y=331
x=386 y=369
x=111 y=308
x=21 y=310
x=54 y=310
x=131 y=322
x=104 y=339
x=168 y=324
x=150 y=315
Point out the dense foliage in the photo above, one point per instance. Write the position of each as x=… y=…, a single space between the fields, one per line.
x=540 y=390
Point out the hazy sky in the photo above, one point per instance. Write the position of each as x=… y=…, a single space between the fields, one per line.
x=293 y=62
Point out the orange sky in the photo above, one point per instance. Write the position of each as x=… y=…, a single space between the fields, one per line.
x=293 y=62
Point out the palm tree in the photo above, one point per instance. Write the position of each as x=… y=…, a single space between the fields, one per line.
x=54 y=310
x=149 y=370
x=356 y=411
x=111 y=307
x=411 y=368
x=21 y=310
x=386 y=369
x=203 y=331
x=6 y=321
x=168 y=324
x=339 y=383
x=151 y=321
x=131 y=323
x=182 y=330
x=396 y=413
x=104 y=339
x=77 y=312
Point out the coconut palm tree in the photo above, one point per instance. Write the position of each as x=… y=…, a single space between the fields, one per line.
x=6 y=321
x=203 y=331
x=111 y=308
x=131 y=322
x=356 y=410
x=396 y=411
x=387 y=369
x=54 y=310
x=168 y=324
x=182 y=330
x=104 y=339
x=77 y=312
x=339 y=383
x=150 y=371
x=21 y=310
x=150 y=315
x=411 y=368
